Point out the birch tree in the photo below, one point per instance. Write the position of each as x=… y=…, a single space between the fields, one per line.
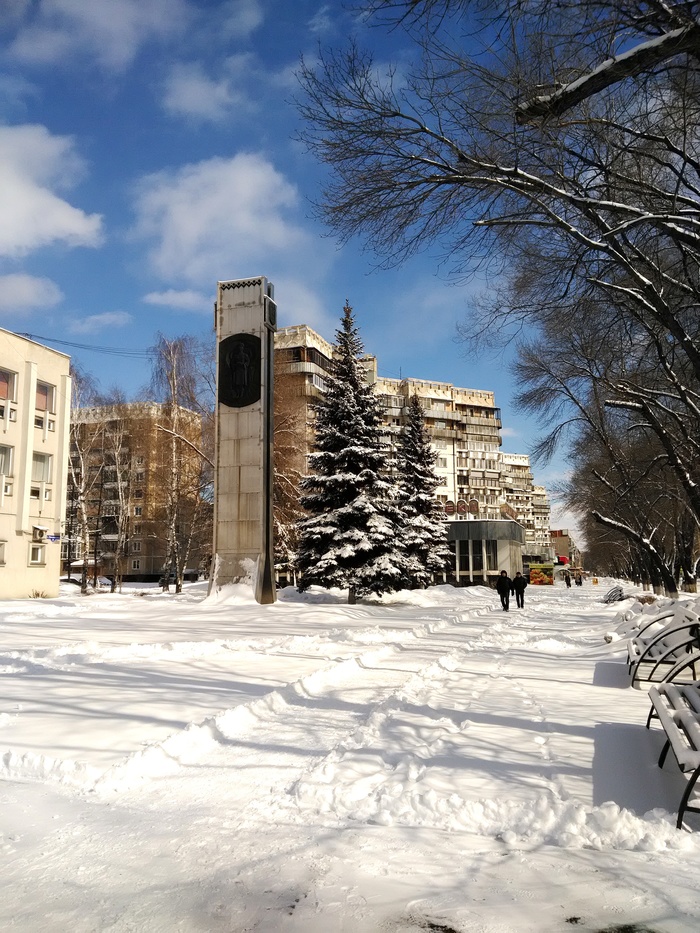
x=85 y=463
x=175 y=384
x=117 y=431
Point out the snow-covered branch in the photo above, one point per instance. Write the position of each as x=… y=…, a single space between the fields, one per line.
x=643 y=57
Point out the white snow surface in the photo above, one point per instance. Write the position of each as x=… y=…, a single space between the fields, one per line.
x=423 y=761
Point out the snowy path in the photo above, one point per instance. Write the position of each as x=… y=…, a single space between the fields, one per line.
x=385 y=788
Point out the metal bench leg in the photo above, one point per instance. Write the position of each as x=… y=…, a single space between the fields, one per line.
x=664 y=752
x=652 y=715
x=686 y=798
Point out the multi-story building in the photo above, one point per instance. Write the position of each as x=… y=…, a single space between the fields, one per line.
x=565 y=547
x=302 y=363
x=541 y=546
x=122 y=458
x=34 y=422
x=465 y=426
x=488 y=496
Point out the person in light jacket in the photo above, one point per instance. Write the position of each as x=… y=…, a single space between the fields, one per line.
x=519 y=584
x=504 y=586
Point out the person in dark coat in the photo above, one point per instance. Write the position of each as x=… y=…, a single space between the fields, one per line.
x=504 y=586
x=567 y=579
x=519 y=584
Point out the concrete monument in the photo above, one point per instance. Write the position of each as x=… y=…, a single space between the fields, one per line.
x=246 y=319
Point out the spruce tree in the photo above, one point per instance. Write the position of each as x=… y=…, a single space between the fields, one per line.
x=424 y=533
x=349 y=538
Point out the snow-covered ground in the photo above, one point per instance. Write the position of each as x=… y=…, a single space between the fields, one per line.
x=425 y=762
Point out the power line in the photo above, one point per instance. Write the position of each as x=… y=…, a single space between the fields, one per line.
x=123 y=352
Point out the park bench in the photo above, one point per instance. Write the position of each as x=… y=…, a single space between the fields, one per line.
x=677 y=707
x=614 y=595
x=664 y=647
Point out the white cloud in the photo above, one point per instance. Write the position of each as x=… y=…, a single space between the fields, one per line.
x=187 y=300
x=20 y=292
x=220 y=219
x=96 y=323
x=14 y=91
x=191 y=93
x=32 y=164
x=112 y=31
x=561 y=518
x=321 y=21
x=510 y=432
x=298 y=303
x=240 y=18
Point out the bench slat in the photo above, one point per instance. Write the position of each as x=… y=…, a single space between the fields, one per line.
x=678 y=707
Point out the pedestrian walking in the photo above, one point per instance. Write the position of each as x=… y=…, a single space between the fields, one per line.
x=504 y=586
x=578 y=580
x=519 y=584
x=567 y=580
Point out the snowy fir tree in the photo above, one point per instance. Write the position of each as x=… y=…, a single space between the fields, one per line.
x=349 y=537
x=424 y=534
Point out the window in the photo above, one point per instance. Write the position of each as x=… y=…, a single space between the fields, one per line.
x=45 y=397
x=137 y=529
x=492 y=555
x=138 y=494
x=2 y=552
x=319 y=383
x=5 y=460
x=442 y=462
x=37 y=553
x=41 y=468
x=138 y=511
x=8 y=383
x=136 y=564
x=135 y=547
x=139 y=476
x=139 y=461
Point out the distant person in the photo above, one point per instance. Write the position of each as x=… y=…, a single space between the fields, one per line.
x=519 y=584
x=578 y=580
x=504 y=586
x=567 y=580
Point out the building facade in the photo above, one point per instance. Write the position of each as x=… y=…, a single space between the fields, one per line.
x=565 y=548
x=480 y=485
x=35 y=422
x=136 y=491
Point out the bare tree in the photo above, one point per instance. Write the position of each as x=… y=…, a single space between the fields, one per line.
x=118 y=429
x=290 y=442
x=85 y=464
x=578 y=382
x=559 y=132
x=176 y=384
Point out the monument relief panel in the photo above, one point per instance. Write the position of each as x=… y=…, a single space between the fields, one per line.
x=240 y=361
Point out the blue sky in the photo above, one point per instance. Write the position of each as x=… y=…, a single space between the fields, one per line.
x=147 y=150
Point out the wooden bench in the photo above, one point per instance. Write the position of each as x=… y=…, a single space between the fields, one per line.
x=664 y=647
x=677 y=707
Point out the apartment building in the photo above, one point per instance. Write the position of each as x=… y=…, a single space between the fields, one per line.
x=302 y=362
x=565 y=547
x=126 y=470
x=488 y=497
x=541 y=544
x=35 y=424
